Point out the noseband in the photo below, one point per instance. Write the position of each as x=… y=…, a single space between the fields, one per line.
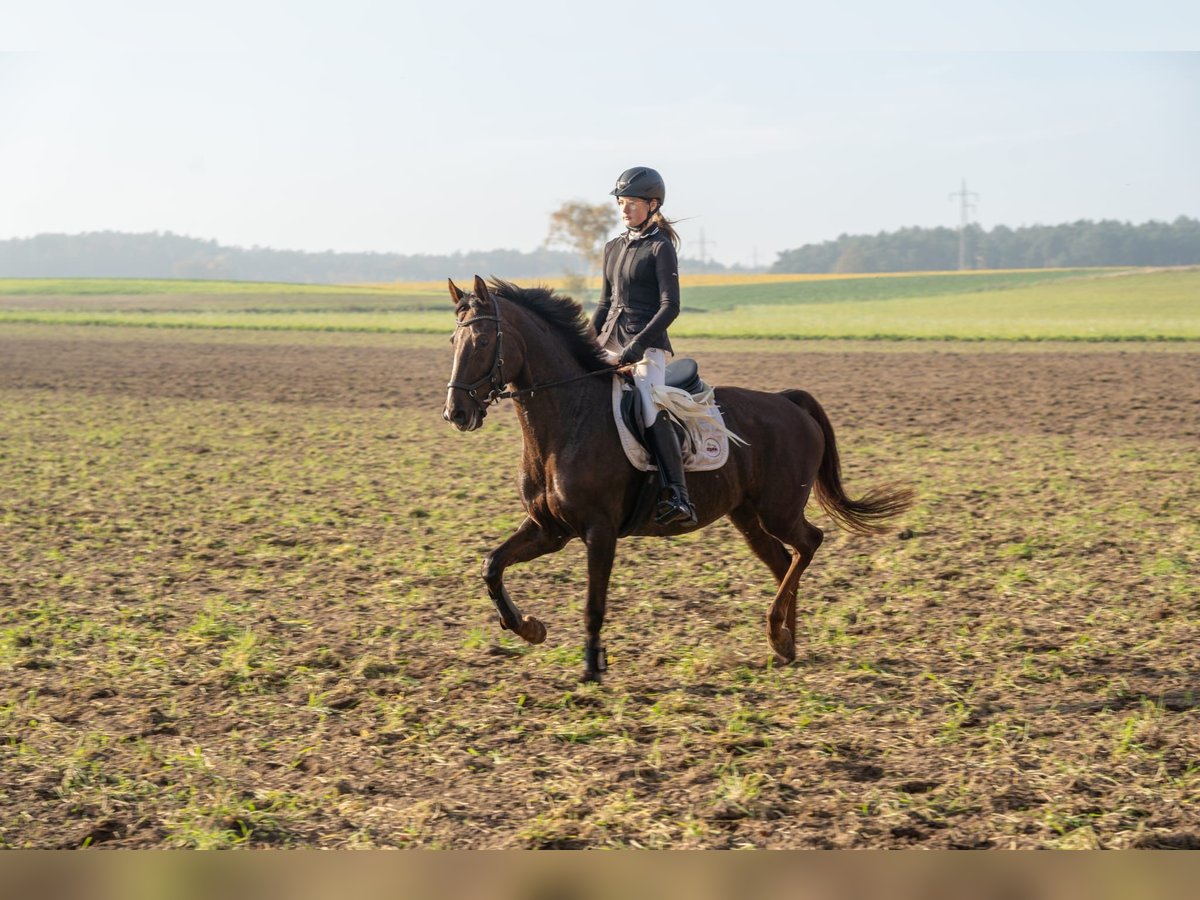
x=493 y=379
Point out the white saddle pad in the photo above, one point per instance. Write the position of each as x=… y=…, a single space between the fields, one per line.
x=705 y=446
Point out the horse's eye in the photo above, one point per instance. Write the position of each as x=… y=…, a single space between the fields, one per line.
x=483 y=341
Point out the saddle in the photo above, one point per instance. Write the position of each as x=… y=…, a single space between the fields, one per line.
x=689 y=400
x=683 y=374
x=693 y=411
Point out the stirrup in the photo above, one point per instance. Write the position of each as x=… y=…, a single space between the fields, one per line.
x=675 y=510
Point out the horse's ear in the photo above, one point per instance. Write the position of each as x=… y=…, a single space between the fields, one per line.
x=455 y=293
x=481 y=289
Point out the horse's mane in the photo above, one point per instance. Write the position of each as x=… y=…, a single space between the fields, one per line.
x=563 y=314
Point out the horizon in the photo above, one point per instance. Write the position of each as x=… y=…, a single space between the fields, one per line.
x=765 y=148
x=485 y=250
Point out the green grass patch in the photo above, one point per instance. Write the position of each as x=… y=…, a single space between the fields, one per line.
x=418 y=322
x=1159 y=306
x=867 y=288
x=102 y=286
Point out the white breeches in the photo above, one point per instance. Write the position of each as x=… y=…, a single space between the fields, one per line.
x=649 y=372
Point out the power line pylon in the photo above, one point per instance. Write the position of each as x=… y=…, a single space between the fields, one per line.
x=967 y=207
x=703 y=247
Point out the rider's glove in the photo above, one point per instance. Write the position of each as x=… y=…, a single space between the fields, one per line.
x=632 y=353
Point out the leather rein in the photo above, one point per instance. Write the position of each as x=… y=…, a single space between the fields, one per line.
x=495 y=379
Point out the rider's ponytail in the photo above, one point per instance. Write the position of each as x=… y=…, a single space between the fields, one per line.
x=665 y=225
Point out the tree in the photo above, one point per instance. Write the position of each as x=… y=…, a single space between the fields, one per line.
x=583 y=228
x=854 y=257
x=1072 y=244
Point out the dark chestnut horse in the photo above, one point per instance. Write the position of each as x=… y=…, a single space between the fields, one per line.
x=576 y=481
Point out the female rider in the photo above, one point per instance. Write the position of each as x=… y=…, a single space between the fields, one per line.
x=638 y=300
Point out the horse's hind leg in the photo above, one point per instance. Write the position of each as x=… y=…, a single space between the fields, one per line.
x=781 y=619
x=528 y=542
x=767 y=540
x=780 y=633
x=770 y=550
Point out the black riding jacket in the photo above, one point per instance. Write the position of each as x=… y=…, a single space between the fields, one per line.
x=640 y=294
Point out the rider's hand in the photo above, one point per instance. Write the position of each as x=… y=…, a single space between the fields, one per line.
x=632 y=353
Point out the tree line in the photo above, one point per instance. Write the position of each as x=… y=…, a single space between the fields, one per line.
x=114 y=254
x=1082 y=243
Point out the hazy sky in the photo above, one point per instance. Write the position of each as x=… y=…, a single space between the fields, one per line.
x=433 y=127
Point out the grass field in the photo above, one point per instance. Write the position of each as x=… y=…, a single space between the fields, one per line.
x=241 y=607
x=1054 y=305
x=1161 y=306
x=240 y=602
x=854 y=289
x=100 y=287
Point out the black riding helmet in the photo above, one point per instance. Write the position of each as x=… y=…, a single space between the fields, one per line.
x=641 y=182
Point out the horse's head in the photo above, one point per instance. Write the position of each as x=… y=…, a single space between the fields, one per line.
x=479 y=348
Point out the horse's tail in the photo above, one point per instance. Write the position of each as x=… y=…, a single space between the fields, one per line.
x=865 y=515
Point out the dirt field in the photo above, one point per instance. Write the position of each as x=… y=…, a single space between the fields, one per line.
x=240 y=606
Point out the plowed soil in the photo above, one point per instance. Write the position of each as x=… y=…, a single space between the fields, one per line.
x=240 y=606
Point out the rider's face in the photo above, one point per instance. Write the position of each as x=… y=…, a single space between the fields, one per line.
x=634 y=211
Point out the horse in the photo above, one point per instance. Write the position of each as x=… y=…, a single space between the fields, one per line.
x=535 y=346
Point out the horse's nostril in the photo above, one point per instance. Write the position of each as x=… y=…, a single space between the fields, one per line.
x=460 y=416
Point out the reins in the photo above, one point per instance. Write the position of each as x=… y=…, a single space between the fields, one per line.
x=495 y=378
x=508 y=395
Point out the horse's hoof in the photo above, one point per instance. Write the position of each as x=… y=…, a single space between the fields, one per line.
x=532 y=630
x=784 y=646
x=592 y=677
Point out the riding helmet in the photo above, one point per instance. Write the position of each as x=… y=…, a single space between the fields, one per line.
x=641 y=182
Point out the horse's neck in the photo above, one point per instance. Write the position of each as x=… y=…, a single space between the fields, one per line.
x=548 y=417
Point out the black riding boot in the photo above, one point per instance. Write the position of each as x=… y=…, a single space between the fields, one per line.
x=675 y=507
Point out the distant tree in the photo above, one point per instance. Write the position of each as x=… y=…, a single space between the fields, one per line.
x=583 y=228
x=110 y=254
x=853 y=258
x=1081 y=243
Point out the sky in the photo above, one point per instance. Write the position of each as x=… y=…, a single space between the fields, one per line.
x=431 y=128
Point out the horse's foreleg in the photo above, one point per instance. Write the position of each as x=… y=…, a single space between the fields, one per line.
x=601 y=550
x=528 y=542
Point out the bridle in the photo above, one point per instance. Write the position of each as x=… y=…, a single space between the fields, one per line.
x=494 y=379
